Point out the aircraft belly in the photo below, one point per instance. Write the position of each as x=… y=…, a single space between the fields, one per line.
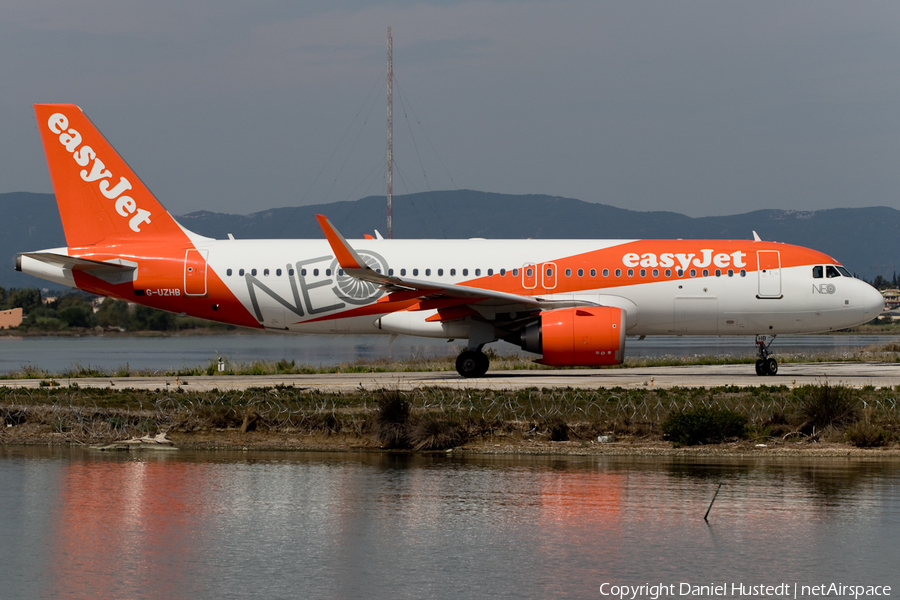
x=353 y=325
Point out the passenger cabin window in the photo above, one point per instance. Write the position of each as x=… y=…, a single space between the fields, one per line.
x=817 y=272
x=581 y=272
x=277 y=272
x=502 y=272
x=253 y=272
x=529 y=273
x=515 y=272
x=291 y=272
x=477 y=272
x=402 y=272
x=241 y=272
x=228 y=272
x=693 y=272
x=706 y=272
x=656 y=272
x=427 y=272
x=618 y=272
x=490 y=272
x=831 y=272
x=465 y=272
x=266 y=272
x=440 y=272
x=390 y=272
x=606 y=272
x=631 y=272
x=452 y=272
x=643 y=272
x=415 y=272
x=594 y=273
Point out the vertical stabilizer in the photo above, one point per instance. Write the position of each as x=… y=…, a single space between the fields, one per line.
x=100 y=199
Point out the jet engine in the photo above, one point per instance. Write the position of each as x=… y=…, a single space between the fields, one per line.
x=569 y=337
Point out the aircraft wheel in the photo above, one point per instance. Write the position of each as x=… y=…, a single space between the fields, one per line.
x=472 y=363
x=771 y=366
x=759 y=367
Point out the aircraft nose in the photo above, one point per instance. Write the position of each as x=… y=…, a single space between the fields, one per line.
x=872 y=301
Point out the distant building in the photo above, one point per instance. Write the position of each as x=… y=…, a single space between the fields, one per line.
x=891 y=299
x=10 y=318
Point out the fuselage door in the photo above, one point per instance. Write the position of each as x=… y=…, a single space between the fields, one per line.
x=548 y=275
x=195 y=272
x=529 y=276
x=769 y=271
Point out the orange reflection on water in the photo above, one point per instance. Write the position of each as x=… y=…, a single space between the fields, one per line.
x=124 y=529
x=579 y=497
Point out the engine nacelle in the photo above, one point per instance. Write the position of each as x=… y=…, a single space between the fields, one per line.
x=578 y=337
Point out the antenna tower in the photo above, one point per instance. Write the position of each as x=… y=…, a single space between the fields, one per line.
x=390 y=134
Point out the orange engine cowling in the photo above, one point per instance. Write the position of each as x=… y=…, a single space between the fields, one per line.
x=585 y=337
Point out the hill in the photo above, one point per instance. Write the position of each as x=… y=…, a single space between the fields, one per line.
x=863 y=239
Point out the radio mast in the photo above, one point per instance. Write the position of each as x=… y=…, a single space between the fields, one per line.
x=390 y=134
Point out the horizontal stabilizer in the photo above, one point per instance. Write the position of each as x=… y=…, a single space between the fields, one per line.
x=114 y=272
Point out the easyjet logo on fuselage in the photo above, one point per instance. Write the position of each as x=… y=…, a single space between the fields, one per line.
x=125 y=206
x=721 y=260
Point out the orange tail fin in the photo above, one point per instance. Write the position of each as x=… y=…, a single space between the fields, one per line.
x=100 y=199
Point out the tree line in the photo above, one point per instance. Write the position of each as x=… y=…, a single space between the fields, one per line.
x=75 y=310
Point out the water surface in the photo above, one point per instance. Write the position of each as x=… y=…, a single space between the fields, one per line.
x=78 y=524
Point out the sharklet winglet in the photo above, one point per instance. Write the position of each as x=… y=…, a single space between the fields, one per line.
x=346 y=255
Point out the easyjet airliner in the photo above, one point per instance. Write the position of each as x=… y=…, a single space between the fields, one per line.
x=571 y=301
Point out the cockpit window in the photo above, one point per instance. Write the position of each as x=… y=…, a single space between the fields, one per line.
x=831 y=272
x=817 y=272
x=844 y=272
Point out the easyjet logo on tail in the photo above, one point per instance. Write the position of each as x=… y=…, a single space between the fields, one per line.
x=721 y=260
x=83 y=155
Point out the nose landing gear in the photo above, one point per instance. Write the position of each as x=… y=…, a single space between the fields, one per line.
x=765 y=364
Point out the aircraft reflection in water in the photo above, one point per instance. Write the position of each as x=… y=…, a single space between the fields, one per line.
x=119 y=525
x=379 y=526
x=572 y=301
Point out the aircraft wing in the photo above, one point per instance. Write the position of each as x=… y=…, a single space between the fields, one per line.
x=355 y=266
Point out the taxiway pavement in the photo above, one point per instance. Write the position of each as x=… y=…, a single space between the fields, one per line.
x=851 y=374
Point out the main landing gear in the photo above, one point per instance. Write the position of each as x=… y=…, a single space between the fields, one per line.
x=472 y=363
x=765 y=364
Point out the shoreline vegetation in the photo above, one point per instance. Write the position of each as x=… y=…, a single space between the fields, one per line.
x=817 y=420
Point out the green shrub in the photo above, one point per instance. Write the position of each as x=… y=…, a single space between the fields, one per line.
x=824 y=405
x=866 y=435
x=704 y=426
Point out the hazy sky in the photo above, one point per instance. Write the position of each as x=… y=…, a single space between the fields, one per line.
x=698 y=107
